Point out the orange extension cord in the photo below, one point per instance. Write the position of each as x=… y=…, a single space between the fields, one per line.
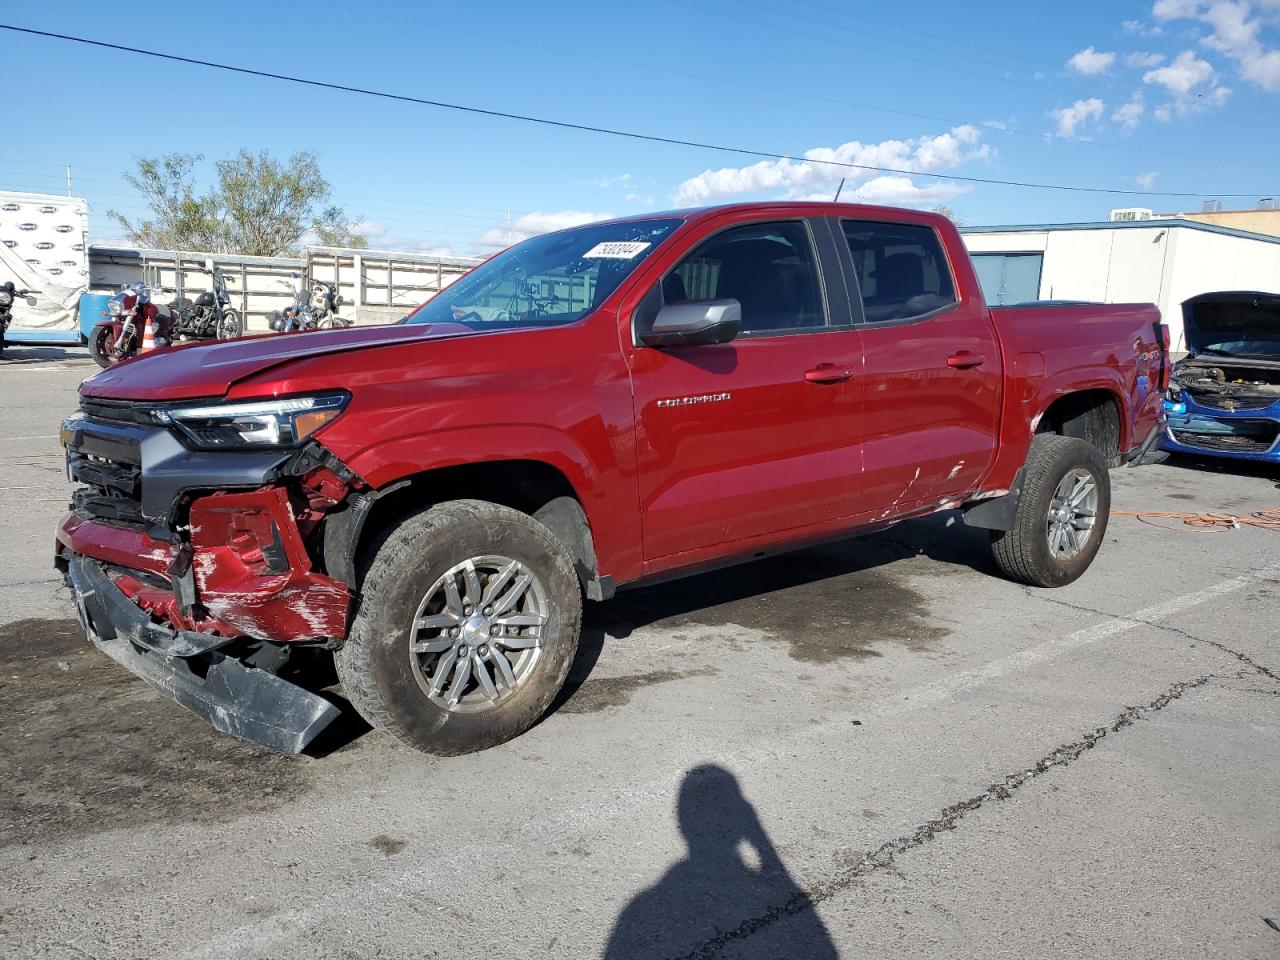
x=1217 y=522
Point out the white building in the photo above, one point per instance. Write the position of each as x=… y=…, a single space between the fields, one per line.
x=1149 y=261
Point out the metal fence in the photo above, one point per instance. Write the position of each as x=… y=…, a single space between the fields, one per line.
x=379 y=286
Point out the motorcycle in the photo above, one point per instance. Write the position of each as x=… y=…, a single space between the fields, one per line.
x=7 y=295
x=211 y=316
x=120 y=335
x=315 y=311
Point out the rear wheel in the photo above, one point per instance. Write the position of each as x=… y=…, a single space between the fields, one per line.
x=467 y=626
x=1062 y=514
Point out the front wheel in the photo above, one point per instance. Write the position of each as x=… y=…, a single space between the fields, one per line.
x=230 y=326
x=1062 y=514
x=102 y=343
x=467 y=625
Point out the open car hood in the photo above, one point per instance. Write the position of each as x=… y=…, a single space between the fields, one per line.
x=1214 y=318
x=210 y=369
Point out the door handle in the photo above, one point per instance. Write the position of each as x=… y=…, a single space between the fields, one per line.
x=828 y=373
x=964 y=359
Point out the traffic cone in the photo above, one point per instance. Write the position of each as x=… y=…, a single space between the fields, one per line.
x=148 y=336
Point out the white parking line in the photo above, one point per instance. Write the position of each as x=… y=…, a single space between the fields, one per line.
x=290 y=924
x=43 y=367
x=949 y=686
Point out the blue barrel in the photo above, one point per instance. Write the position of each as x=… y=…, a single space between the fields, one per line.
x=93 y=310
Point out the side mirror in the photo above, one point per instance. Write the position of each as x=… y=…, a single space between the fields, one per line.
x=694 y=322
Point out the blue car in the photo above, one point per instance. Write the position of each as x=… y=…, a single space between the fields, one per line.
x=1224 y=397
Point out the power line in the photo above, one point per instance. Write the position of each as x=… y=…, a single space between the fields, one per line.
x=609 y=131
x=934 y=63
x=917 y=31
x=791 y=14
x=995 y=127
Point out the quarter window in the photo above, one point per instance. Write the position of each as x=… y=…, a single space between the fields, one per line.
x=769 y=268
x=901 y=269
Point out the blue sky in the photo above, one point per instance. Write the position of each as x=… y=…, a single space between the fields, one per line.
x=1176 y=95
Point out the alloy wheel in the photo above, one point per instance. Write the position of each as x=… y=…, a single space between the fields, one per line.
x=1072 y=514
x=478 y=634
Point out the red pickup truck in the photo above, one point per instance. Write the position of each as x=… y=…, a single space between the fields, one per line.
x=602 y=407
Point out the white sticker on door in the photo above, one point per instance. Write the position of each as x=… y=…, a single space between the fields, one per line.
x=616 y=250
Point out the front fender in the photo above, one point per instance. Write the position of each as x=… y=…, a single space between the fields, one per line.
x=597 y=478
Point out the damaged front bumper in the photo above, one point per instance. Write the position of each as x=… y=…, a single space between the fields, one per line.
x=189 y=667
x=195 y=569
x=1202 y=430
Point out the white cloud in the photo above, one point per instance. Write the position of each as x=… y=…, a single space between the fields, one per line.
x=1236 y=33
x=1184 y=74
x=1175 y=9
x=532 y=224
x=1079 y=113
x=1190 y=82
x=644 y=199
x=1146 y=180
x=811 y=176
x=621 y=180
x=368 y=229
x=897 y=191
x=1129 y=114
x=1136 y=28
x=1144 y=61
x=1091 y=62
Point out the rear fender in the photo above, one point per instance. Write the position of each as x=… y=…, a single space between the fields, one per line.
x=1022 y=417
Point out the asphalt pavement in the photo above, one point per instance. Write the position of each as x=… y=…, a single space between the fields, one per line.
x=873 y=749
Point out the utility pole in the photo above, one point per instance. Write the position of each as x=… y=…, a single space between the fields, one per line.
x=508 y=226
x=68 y=179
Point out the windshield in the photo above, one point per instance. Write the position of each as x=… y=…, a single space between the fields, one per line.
x=552 y=279
x=1269 y=349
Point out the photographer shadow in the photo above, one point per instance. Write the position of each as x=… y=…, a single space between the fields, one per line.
x=726 y=893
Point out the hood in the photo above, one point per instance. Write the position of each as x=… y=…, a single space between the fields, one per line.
x=1217 y=320
x=210 y=369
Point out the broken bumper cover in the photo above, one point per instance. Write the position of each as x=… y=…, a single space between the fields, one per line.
x=188 y=667
x=1194 y=428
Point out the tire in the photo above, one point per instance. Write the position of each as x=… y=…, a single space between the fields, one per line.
x=100 y=346
x=1027 y=552
x=394 y=688
x=230 y=327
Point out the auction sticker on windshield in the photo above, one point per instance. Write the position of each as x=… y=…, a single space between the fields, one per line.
x=616 y=249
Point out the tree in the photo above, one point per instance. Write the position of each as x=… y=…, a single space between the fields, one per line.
x=949 y=214
x=258 y=206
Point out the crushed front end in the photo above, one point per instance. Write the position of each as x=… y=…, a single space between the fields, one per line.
x=1224 y=399
x=1197 y=427
x=193 y=548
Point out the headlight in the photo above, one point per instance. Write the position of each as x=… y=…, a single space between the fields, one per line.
x=6 y=298
x=113 y=308
x=257 y=424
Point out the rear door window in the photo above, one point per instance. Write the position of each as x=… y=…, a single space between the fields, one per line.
x=901 y=269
